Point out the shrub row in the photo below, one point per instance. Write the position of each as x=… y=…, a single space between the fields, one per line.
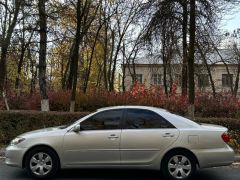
x=14 y=123
x=223 y=105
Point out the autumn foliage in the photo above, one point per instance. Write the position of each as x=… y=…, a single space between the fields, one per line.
x=223 y=105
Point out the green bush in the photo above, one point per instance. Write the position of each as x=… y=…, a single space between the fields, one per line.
x=14 y=123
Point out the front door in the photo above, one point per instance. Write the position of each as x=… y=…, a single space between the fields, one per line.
x=97 y=143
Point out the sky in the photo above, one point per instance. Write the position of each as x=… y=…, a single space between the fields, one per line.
x=231 y=22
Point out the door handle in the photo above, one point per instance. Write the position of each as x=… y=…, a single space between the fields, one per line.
x=113 y=136
x=168 y=135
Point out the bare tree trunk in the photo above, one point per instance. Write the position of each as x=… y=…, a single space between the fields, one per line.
x=72 y=66
x=42 y=55
x=24 y=46
x=237 y=81
x=185 y=53
x=74 y=58
x=105 y=57
x=170 y=73
x=191 y=84
x=208 y=70
x=123 y=68
x=65 y=83
x=110 y=71
x=33 y=73
x=91 y=59
x=19 y=69
x=165 y=72
x=5 y=101
x=3 y=68
x=225 y=64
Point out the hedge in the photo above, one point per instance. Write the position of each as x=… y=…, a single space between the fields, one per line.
x=14 y=123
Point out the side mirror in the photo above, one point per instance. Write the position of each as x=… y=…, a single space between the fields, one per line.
x=76 y=128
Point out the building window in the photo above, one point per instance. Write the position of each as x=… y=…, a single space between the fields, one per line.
x=157 y=79
x=139 y=78
x=227 y=80
x=203 y=80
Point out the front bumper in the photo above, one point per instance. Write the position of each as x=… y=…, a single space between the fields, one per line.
x=14 y=156
x=215 y=157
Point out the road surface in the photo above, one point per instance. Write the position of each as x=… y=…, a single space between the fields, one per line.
x=222 y=173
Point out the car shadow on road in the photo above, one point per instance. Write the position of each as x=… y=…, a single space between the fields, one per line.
x=122 y=175
x=109 y=174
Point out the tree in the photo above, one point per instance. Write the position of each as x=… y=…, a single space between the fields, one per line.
x=24 y=37
x=42 y=55
x=84 y=21
x=9 y=20
x=191 y=84
x=234 y=45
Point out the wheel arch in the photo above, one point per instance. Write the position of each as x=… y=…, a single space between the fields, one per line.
x=37 y=146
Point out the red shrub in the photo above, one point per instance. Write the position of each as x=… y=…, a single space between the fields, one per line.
x=224 y=105
x=59 y=101
x=33 y=102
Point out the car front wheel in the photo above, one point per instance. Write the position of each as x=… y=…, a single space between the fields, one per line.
x=41 y=163
x=179 y=165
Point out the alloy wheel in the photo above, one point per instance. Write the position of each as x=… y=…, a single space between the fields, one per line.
x=41 y=164
x=179 y=166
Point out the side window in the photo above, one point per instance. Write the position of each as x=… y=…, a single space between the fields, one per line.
x=103 y=120
x=145 y=119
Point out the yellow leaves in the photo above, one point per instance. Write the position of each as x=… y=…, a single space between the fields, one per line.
x=12 y=74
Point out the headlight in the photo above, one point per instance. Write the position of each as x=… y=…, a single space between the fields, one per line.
x=16 y=141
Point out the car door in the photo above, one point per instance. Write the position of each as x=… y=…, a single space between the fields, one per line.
x=144 y=136
x=98 y=141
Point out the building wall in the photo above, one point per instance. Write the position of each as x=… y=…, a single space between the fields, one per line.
x=148 y=70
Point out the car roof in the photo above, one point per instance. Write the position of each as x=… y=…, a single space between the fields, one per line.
x=176 y=120
x=131 y=107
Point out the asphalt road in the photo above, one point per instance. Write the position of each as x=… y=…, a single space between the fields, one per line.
x=223 y=173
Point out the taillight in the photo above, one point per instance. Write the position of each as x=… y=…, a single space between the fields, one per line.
x=226 y=137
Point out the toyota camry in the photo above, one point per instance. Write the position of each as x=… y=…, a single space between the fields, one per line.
x=126 y=137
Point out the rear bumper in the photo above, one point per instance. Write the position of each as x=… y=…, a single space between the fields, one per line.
x=14 y=156
x=215 y=157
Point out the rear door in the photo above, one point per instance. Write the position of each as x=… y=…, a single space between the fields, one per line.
x=144 y=135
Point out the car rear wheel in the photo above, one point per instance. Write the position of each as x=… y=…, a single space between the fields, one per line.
x=178 y=165
x=41 y=163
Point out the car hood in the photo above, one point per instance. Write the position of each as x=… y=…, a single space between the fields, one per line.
x=42 y=132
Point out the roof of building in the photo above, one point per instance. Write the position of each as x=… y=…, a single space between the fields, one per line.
x=222 y=56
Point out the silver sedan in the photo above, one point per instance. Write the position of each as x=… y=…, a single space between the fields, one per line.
x=123 y=137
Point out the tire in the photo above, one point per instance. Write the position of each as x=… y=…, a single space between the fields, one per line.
x=178 y=165
x=41 y=163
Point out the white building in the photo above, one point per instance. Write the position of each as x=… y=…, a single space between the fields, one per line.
x=149 y=71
